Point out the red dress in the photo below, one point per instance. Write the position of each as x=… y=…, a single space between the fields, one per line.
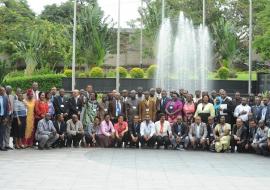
x=120 y=128
x=41 y=108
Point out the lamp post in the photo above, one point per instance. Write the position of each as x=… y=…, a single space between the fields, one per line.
x=141 y=41
x=250 y=49
x=74 y=45
x=163 y=10
x=118 y=49
x=204 y=13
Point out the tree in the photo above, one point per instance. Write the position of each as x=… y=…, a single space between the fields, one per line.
x=63 y=13
x=262 y=38
x=95 y=35
x=47 y=45
x=15 y=18
x=226 y=41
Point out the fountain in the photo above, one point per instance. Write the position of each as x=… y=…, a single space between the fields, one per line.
x=184 y=56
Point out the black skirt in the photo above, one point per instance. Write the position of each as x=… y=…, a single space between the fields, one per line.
x=19 y=130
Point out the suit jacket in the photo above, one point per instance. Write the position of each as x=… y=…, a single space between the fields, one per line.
x=112 y=108
x=62 y=129
x=267 y=115
x=179 y=130
x=229 y=111
x=5 y=106
x=150 y=109
x=74 y=108
x=60 y=106
x=161 y=105
x=243 y=134
x=192 y=130
x=134 y=130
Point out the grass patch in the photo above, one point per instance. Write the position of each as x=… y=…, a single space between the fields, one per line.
x=240 y=76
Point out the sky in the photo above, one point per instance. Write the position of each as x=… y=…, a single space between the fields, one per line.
x=129 y=8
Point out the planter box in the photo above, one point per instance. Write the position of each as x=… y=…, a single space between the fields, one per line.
x=109 y=84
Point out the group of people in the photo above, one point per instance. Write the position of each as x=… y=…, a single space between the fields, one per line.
x=147 y=119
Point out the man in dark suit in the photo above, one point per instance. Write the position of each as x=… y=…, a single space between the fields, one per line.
x=75 y=104
x=226 y=107
x=60 y=103
x=116 y=107
x=61 y=129
x=264 y=113
x=180 y=134
x=4 y=112
x=161 y=103
x=134 y=132
x=239 y=136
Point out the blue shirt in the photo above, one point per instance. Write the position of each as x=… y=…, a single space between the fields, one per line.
x=2 y=106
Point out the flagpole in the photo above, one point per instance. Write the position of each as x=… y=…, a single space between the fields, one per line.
x=73 y=83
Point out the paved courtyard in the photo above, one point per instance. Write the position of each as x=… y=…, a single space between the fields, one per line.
x=131 y=169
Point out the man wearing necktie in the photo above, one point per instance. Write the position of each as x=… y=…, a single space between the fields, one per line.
x=116 y=108
x=134 y=132
x=163 y=132
x=161 y=103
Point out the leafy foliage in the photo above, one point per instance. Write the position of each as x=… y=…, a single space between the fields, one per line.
x=151 y=71
x=136 y=73
x=122 y=72
x=45 y=81
x=96 y=72
x=223 y=73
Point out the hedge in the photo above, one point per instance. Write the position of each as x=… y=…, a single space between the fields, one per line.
x=136 y=73
x=122 y=72
x=96 y=72
x=223 y=73
x=45 y=82
x=151 y=71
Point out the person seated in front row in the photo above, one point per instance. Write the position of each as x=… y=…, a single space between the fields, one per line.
x=147 y=132
x=211 y=124
x=252 y=129
x=239 y=136
x=121 y=132
x=222 y=135
x=268 y=142
x=91 y=134
x=163 y=132
x=134 y=132
x=259 y=143
x=198 y=133
x=61 y=128
x=180 y=134
x=46 y=134
x=106 y=132
x=75 y=131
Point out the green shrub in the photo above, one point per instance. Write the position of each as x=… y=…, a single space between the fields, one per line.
x=83 y=75
x=96 y=72
x=43 y=71
x=14 y=74
x=111 y=74
x=233 y=74
x=151 y=71
x=68 y=72
x=45 y=82
x=223 y=73
x=136 y=73
x=122 y=72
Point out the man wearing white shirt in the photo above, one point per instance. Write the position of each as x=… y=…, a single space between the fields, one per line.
x=148 y=132
x=163 y=132
x=242 y=110
x=35 y=90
